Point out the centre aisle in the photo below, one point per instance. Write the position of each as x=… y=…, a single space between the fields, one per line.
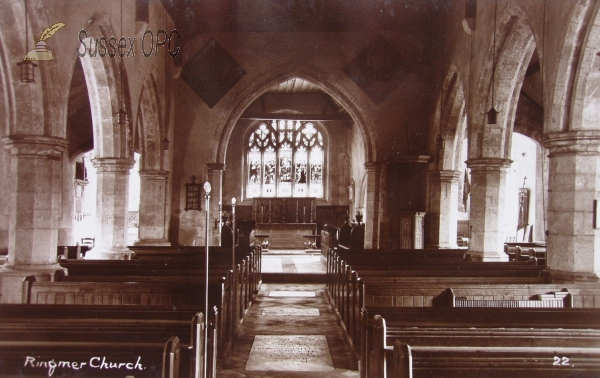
x=290 y=331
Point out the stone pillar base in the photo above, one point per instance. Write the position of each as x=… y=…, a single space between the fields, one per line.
x=11 y=279
x=487 y=256
x=153 y=242
x=100 y=254
x=559 y=276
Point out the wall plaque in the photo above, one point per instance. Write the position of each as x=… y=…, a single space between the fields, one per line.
x=192 y=195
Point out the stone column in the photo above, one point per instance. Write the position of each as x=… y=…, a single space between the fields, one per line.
x=111 y=209
x=488 y=187
x=35 y=185
x=153 y=228
x=574 y=190
x=443 y=208
x=215 y=177
x=372 y=205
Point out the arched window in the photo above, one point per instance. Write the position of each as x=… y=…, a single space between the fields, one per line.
x=285 y=159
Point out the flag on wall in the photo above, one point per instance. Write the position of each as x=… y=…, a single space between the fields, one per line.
x=466 y=189
x=523 y=208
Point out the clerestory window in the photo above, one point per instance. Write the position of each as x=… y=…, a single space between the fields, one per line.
x=285 y=159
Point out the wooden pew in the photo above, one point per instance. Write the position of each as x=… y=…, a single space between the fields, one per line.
x=118 y=293
x=526 y=251
x=498 y=362
x=343 y=279
x=403 y=294
x=72 y=251
x=90 y=359
x=161 y=276
x=135 y=324
x=453 y=329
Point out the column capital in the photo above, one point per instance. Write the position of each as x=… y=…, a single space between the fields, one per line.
x=114 y=165
x=573 y=142
x=488 y=164
x=154 y=175
x=35 y=146
x=373 y=166
x=215 y=167
x=444 y=176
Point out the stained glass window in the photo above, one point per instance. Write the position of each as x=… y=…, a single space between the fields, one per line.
x=285 y=158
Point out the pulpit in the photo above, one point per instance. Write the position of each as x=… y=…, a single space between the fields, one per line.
x=285 y=220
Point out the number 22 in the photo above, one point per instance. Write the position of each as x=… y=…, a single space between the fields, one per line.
x=561 y=361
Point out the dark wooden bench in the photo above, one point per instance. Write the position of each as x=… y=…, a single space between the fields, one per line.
x=90 y=359
x=135 y=324
x=526 y=252
x=72 y=251
x=498 y=362
x=488 y=330
x=118 y=293
x=436 y=292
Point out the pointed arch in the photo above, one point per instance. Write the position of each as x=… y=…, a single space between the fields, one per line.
x=515 y=45
x=102 y=77
x=451 y=127
x=586 y=87
x=150 y=123
x=312 y=75
x=32 y=108
x=561 y=101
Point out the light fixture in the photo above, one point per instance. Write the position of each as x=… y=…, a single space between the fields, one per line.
x=165 y=144
x=492 y=114
x=27 y=72
x=123 y=119
x=207 y=189
x=441 y=142
x=233 y=201
x=27 y=66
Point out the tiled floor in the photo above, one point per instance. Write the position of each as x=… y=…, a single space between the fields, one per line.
x=298 y=335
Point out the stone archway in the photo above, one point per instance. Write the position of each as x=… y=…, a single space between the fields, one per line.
x=154 y=175
x=502 y=76
x=112 y=145
x=33 y=134
x=443 y=177
x=572 y=136
x=344 y=98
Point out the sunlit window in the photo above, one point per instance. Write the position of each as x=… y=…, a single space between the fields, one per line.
x=285 y=159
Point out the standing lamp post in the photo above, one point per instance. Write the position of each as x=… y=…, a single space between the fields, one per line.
x=233 y=201
x=207 y=189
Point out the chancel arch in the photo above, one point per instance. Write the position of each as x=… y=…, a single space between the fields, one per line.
x=354 y=118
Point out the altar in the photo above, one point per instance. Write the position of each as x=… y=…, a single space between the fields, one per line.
x=286 y=220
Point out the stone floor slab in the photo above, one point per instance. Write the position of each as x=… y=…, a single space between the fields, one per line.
x=290 y=311
x=284 y=293
x=290 y=353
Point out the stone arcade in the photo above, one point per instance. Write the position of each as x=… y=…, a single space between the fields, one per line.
x=313 y=114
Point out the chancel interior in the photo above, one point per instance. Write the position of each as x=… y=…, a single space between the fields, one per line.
x=426 y=174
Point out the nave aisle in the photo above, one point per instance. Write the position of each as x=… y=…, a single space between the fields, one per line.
x=290 y=331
